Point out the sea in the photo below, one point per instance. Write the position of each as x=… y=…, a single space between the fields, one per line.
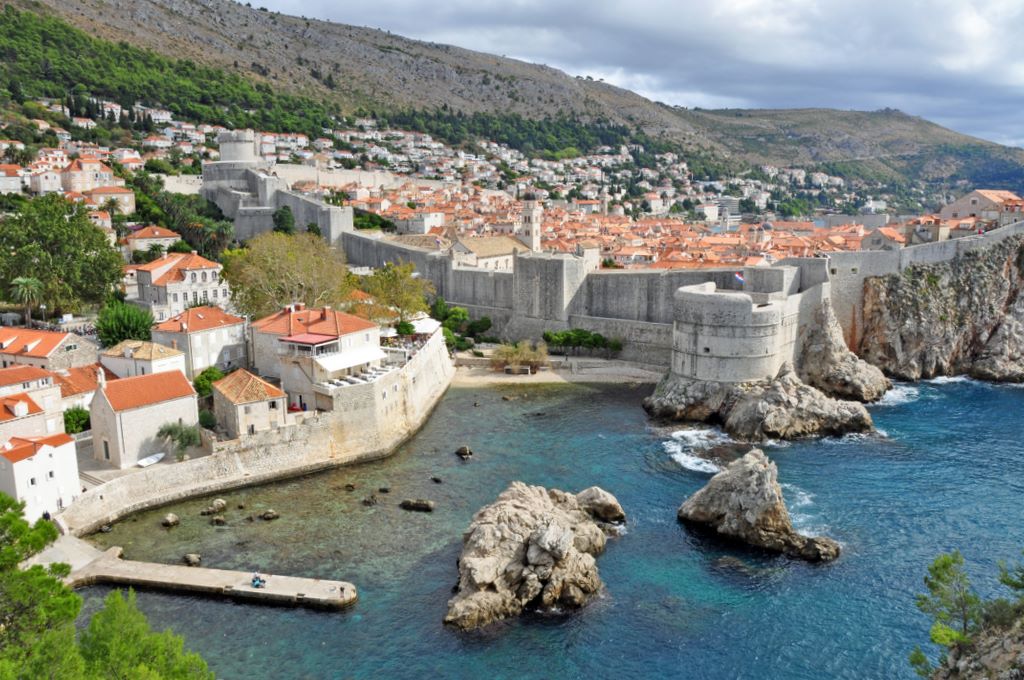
x=943 y=472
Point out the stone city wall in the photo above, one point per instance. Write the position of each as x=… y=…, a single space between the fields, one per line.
x=328 y=440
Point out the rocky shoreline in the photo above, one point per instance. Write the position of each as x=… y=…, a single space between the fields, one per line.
x=533 y=548
x=822 y=395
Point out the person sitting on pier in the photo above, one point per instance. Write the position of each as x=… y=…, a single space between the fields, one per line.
x=257 y=580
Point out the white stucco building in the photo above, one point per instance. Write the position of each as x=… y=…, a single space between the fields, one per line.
x=126 y=415
x=41 y=472
x=207 y=335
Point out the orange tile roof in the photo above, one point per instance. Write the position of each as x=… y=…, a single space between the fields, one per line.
x=29 y=342
x=320 y=321
x=19 y=448
x=80 y=380
x=242 y=387
x=146 y=390
x=172 y=266
x=153 y=231
x=8 y=404
x=198 y=319
x=21 y=374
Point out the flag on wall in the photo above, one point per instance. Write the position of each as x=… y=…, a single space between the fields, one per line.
x=739 y=277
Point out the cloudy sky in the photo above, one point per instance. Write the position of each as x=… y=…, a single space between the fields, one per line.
x=956 y=62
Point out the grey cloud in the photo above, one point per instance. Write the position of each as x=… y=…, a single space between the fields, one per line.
x=950 y=61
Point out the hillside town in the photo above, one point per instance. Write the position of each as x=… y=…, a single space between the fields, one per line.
x=455 y=200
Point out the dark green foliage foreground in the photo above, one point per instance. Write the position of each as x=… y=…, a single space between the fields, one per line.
x=37 y=621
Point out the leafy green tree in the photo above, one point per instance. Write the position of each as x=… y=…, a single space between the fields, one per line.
x=207 y=419
x=204 y=381
x=28 y=291
x=439 y=309
x=951 y=602
x=53 y=241
x=276 y=269
x=405 y=328
x=312 y=228
x=284 y=220
x=179 y=246
x=119 y=321
x=395 y=287
x=182 y=436
x=76 y=419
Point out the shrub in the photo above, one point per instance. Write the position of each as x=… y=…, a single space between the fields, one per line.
x=405 y=328
x=1001 y=613
x=204 y=381
x=207 y=419
x=76 y=419
x=520 y=354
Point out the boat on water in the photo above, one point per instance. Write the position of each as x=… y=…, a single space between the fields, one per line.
x=151 y=460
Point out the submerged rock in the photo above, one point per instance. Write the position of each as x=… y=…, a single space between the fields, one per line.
x=417 y=505
x=217 y=506
x=170 y=520
x=191 y=559
x=218 y=520
x=783 y=408
x=744 y=502
x=464 y=452
x=270 y=514
x=531 y=548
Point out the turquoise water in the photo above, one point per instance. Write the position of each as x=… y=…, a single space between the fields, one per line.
x=947 y=474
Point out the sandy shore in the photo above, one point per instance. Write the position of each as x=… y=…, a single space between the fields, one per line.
x=472 y=376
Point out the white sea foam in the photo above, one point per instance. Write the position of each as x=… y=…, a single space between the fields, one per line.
x=797 y=497
x=701 y=438
x=689 y=461
x=946 y=379
x=899 y=394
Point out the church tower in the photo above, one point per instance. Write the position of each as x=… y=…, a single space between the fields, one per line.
x=533 y=217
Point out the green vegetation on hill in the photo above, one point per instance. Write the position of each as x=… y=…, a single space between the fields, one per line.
x=45 y=57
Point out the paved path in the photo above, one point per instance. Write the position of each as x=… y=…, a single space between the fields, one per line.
x=69 y=550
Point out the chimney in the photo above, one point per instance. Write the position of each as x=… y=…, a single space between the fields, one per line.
x=184 y=328
x=195 y=252
x=101 y=377
x=299 y=306
x=326 y=310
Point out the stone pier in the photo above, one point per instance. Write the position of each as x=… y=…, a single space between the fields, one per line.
x=281 y=590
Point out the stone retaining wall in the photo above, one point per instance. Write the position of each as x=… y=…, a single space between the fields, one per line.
x=329 y=440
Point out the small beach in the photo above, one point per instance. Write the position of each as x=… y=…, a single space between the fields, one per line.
x=590 y=371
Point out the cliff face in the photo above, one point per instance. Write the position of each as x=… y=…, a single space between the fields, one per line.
x=996 y=655
x=962 y=316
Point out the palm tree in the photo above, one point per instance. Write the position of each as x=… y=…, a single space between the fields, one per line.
x=28 y=291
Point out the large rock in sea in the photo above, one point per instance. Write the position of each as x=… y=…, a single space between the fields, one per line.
x=744 y=502
x=782 y=408
x=532 y=548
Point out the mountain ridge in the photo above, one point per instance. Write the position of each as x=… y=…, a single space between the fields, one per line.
x=360 y=68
